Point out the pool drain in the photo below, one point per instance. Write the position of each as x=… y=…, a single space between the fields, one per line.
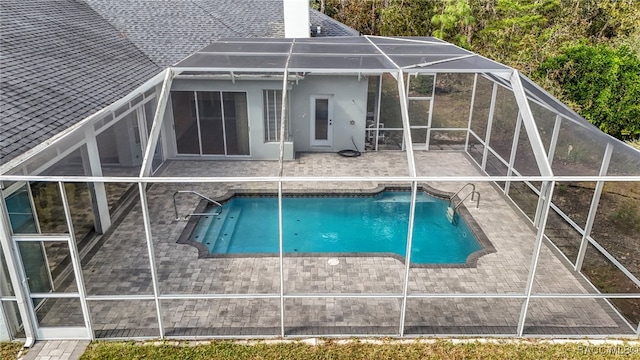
x=333 y=262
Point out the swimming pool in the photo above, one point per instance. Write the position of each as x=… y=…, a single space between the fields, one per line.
x=338 y=224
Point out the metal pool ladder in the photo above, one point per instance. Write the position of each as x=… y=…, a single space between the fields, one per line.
x=451 y=210
x=175 y=206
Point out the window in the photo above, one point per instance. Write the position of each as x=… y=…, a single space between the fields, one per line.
x=272 y=108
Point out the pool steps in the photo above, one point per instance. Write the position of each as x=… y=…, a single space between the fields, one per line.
x=214 y=227
x=227 y=227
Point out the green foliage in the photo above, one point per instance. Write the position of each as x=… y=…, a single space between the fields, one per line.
x=362 y=15
x=517 y=29
x=525 y=34
x=455 y=23
x=604 y=83
x=406 y=18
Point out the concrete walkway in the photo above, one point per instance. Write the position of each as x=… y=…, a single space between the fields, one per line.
x=57 y=349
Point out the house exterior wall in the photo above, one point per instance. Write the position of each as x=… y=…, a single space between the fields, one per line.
x=349 y=97
x=4 y=331
x=349 y=103
x=260 y=150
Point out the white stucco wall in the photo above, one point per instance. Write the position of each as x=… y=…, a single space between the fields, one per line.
x=349 y=103
x=260 y=150
x=349 y=96
x=4 y=332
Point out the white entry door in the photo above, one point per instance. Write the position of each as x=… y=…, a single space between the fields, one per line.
x=322 y=120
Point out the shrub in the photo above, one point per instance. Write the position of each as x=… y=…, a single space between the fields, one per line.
x=604 y=83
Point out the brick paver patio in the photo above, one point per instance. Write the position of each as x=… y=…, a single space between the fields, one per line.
x=120 y=265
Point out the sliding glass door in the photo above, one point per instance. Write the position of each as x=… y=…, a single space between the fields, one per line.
x=211 y=123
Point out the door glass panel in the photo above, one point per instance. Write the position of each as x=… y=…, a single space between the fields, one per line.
x=236 y=123
x=62 y=312
x=184 y=119
x=35 y=266
x=322 y=119
x=20 y=212
x=211 y=130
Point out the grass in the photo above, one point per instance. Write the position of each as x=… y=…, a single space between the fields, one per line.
x=355 y=349
x=9 y=350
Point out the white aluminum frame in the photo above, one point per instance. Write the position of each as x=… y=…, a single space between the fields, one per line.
x=525 y=117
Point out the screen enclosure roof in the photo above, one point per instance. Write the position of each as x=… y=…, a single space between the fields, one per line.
x=336 y=54
x=360 y=55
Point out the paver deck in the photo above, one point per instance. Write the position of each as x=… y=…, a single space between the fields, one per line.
x=57 y=350
x=120 y=265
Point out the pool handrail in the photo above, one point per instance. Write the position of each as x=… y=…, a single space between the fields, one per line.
x=175 y=206
x=472 y=193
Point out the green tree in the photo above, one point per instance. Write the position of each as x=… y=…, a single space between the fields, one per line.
x=455 y=23
x=517 y=30
x=602 y=83
x=406 y=18
x=362 y=15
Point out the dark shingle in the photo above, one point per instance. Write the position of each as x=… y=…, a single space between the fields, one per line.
x=168 y=31
x=328 y=26
x=62 y=60
x=59 y=58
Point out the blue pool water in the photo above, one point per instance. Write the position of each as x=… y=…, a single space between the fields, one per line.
x=338 y=225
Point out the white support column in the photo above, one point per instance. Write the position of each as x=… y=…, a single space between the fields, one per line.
x=151 y=253
x=430 y=118
x=473 y=99
x=546 y=192
x=158 y=119
x=283 y=118
x=281 y=258
x=514 y=150
x=412 y=172
x=404 y=111
x=492 y=109
x=606 y=159
x=75 y=261
x=17 y=275
x=377 y=120
x=98 y=192
x=407 y=257
x=530 y=125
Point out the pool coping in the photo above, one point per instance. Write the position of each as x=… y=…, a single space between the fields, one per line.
x=486 y=247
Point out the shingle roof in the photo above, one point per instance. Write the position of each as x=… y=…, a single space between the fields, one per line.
x=328 y=26
x=62 y=60
x=59 y=62
x=168 y=30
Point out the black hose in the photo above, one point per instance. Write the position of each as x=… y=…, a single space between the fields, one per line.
x=349 y=152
